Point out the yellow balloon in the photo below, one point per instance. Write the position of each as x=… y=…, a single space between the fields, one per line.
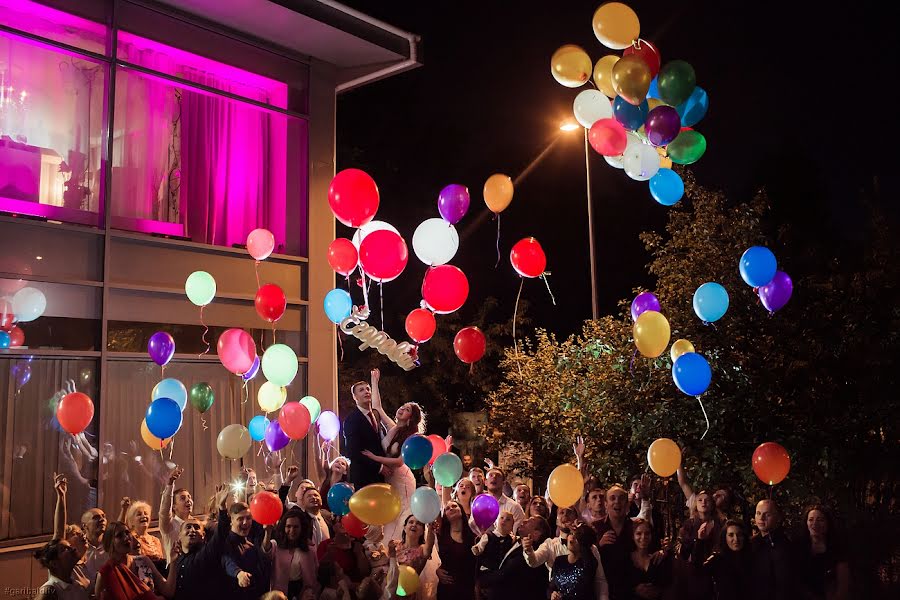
x=664 y=457
x=150 y=439
x=571 y=66
x=654 y=102
x=616 y=25
x=603 y=74
x=407 y=581
x=566 y=485
x=271 y=397
x=376 y=504
x=631 y=79
x=680 y=347
x=498 y=192
x=665 y=162
x=651 y=333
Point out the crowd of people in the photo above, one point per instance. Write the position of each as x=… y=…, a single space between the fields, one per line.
x=611 y=546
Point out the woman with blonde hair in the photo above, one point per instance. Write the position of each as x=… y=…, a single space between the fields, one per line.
x=137 y=518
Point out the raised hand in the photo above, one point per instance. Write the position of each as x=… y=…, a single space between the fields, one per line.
x=60 y=484
x=126 y=503
x=489 y=463
x=527 y=544
x=222 y=493
x=578 y=447
x=449 y=442
x=292 y=473
x=175 y=474
x=376 y=376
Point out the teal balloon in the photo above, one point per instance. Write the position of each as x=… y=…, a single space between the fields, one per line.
x=666 y=187
x=339 y=498
x=313 y=406
x=628 y=115
x=710 y=302
x=200 y=288
x=257 y=428
x=416 y=451
x=338 y=304
x=279 y=365
x=687 y=148
x=694 y=108
x=171 y=388
x=425 y=505
x=164 y=418
x=677 y=81
x=447 y=469
x=692 y=374
x=653 y=92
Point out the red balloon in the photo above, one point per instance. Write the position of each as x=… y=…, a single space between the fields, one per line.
x=75 y=412
x=445 y=289
x=353 y=197
x=771 y=463
x=438 y=445
x=265 y=508
x=16 y=337
x=353 y=526
x=647 y=52
x=608 y=137
x=7 y=318
x=528 y=258
x=342 y=256
x=383 y=255
x=420 y=325
x=469 y=344
x=270 y=302
x=294 y=419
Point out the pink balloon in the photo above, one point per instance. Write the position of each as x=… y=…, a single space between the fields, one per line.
x=237 y=351
x=383 y=255
x=260 y=243
x=608 y=137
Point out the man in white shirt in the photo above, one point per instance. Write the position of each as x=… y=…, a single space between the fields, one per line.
x=494 y=482
x=175 y=508
x=93 y=522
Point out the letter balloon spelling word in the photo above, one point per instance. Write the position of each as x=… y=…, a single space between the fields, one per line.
x=370 y=337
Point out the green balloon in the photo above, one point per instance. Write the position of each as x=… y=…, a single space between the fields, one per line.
x=279 y=364
x=676 y=81
x=201 y=397
x=313 y=406
x=200 y=288
x=447 y=469
x=687 y=148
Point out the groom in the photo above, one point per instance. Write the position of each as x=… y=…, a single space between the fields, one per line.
x=363 y=430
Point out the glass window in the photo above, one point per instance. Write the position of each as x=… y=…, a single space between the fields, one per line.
x=55 y=25
x=52 y=316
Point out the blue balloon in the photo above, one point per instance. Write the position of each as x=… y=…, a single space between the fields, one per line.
x=710 y=302
x=338 y=304
x=653 y=92
x=5 y=340
x=630 y=116
x=164 y=418
x=339 y=498
x=692 y=374
x=758 y=266
x=257 y=427
x=666 y=187
x=416 y=451
x=694 y=108
x=171 y=388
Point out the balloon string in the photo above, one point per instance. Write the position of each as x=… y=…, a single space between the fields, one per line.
x=203 y=422
x=171 y=447
x=273 y=332
x=245 y=393
x=364 y=288
x=515 y=314
x=631 y=366
x=497 y=215
x=256 y=268
x=381 y=303
x=547 y=283
x=205 y=333
x=704 y=416
x=259 y=452
x=340 y=344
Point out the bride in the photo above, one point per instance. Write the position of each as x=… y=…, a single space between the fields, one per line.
x=409 y=421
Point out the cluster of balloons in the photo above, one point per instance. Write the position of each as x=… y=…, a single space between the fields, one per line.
x=759 y=270
x=651 y=328
x=641 y=116
x=165 y=414
x=26 y=305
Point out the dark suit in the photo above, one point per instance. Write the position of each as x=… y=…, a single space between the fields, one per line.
x=359 y=435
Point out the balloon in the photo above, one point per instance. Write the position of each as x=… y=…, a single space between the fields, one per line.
x=200 y=288
x=528 y=258
x=435 y=242
x=234 y=441
x=603 y=75
x=16 y=337
x=279 y=364
x=329 y=425
x=407 y=581
x=313 y=406
x=664 y=457
x=383 y=255
x=353 y=197
x=161 y=348
x=710 y=302
x=694 y=108
x=607 y=137
x=376 y=504
x=469 y=344
x=257 y=427
x=776 y=293
x=254 y=369
x=338 y=305
x=571 y=66
x=498 y=192
x=445 y=289
x=371 y=227
x=663 y=125
x=631 y=79
x=270 y=302
x=642 y=303
x=653 y=92
x=342 y=256
x=202 y=397
x=75 y=412
x=5 y=340
x=339 y=498
x=485 y=510
x=353 y=526
x=630 y=116
x=276 y=439
x=616 y=25
x=647 y=52
x=260 y=243
x=425 y=504
x=771 y=463
x=271 y=397
x=420 y=325
x=447 y=469
x=265 y=508
x=687 y=148
x=615 y=161
x=692 y=374
x=151 y=440
x=438 y=445
x=666 y=187
x=237 y=351
x=171 y=388
x=565 y=485
x=416 y=451
x=294 y=420
x=641 y=162
x=591 y=106
x=22 y=375
x=679 y=348
x=28 y=304
x=164 y=418
x=453 y=202
x=651 y=333
x=677 y=81
x=758 y=266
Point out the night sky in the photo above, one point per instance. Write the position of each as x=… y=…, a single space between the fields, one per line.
x=798 y=104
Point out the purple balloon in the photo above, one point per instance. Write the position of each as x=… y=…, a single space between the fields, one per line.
x=276 y=439
x=453 y=202
x=642 y=303
x=663 y=125
x=21 y=374
x=485 y=510
x=776 y=293
x=253 y=370
x=161 y=348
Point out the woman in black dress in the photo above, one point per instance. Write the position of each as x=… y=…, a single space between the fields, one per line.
x=649 y=573
x=573 y=575
x=456 y=575
x=729 y=566
x=824 y=569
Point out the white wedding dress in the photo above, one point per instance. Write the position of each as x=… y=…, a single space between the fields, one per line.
x=404 y=483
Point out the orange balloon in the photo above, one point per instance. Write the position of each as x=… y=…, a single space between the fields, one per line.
x=603 y=74
x=150 y=439
x=498 y=192
x=75 y=412
x=771 y=463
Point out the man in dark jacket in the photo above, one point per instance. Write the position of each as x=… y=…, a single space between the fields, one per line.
x=363 y=430
x=515 y=578
x=247 y=566
x=199 y=559
x=772 y=556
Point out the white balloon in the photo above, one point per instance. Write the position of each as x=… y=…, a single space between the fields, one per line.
x=641 y=161
x=28 y=304
x=591 y=106
x=435 y=242
x=615 y=161
x=368 y=228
